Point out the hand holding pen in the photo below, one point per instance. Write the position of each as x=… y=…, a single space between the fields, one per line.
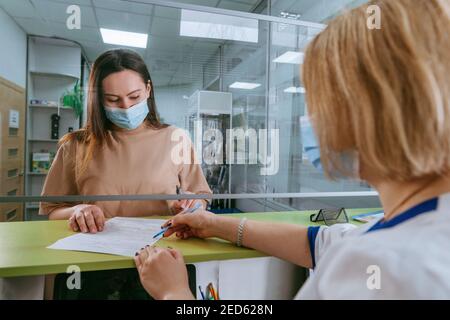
x=167 y=227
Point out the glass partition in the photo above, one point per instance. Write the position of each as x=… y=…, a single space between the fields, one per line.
x=229 y=78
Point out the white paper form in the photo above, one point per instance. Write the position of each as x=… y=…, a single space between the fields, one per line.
x=121 y=236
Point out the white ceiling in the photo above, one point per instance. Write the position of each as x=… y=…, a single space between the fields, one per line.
x=173 y=60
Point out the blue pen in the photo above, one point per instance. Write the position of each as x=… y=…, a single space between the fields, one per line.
x=161 y=232
x=190 y=210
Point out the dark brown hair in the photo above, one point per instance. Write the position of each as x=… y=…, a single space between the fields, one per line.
x=96 y=131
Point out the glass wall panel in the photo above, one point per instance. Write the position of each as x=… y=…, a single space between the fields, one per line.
x=231 y=80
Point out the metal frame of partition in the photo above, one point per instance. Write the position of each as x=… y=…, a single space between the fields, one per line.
x=227 y=12
x=371 y=195
x=77 y=198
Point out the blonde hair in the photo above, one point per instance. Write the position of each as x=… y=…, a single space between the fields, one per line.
x=384 y=93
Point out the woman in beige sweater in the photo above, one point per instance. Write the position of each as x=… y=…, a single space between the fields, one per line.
x=124 y=149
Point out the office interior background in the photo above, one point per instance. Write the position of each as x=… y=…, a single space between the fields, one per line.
x=230 y=63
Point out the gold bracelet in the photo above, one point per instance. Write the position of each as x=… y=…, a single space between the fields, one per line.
x=240 y=232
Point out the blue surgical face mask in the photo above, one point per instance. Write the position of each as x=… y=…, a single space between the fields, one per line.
x=130 y=118
x=309 y=143
x=348 y=160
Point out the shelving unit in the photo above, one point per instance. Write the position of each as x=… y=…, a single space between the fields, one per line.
x=54 y=67
x=213 y=109
x=249 y=112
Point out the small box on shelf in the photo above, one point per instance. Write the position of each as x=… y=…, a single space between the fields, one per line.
x=41 y=161
x=55 y=126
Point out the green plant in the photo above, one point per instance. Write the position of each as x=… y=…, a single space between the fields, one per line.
x=74 y=99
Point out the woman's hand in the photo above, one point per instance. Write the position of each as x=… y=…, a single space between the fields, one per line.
x=181 y=205
x=163 y=273
x=87 y=218
x=193 y=224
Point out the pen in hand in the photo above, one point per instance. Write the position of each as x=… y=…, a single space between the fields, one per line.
x=190 y=210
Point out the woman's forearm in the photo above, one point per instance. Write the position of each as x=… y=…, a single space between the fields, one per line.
x=286 y=241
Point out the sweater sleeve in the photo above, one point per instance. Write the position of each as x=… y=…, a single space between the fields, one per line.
x=60 y=180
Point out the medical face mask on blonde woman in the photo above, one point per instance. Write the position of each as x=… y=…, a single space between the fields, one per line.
x=348 y=160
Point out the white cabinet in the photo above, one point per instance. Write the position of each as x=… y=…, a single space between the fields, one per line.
x=54 y=67
x=208 y=121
